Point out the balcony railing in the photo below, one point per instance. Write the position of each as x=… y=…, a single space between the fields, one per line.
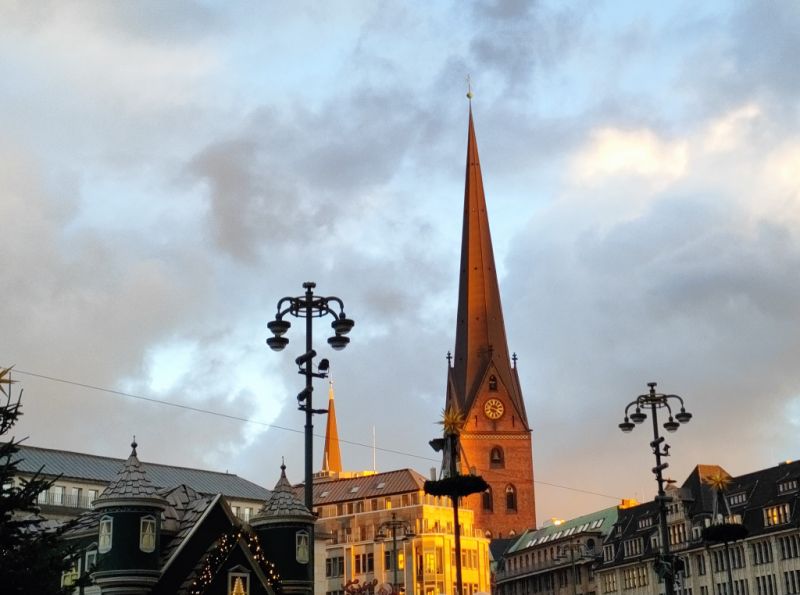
x=65 y=500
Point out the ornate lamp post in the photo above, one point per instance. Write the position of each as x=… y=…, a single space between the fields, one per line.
x=654 y=401
x=310 y=306
x=393 y=526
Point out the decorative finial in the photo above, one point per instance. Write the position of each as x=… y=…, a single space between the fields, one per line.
x=449 y=359
x=514 y=358
x=134 y=445
x=469 y=88
x=283 y=465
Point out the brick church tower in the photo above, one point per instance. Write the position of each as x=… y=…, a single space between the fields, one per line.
x=482 y=381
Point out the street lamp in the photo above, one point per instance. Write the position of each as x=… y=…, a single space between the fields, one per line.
x=393 y=526
x=310 y=306
x=664 y=564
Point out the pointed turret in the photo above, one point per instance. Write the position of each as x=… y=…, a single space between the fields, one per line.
x=332 y=457
x=128 y=542
x=482 y=382
x=283 y=520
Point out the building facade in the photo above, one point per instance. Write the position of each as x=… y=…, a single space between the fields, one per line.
x=766 y=562
x=354 y=539
x=482 y=379
x=558 y=560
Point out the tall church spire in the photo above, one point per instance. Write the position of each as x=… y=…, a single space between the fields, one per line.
x=482 y=383
x=480 y=330
x=332 y=457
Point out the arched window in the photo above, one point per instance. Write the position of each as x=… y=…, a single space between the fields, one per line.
x=492 y=383
x=511 y=498
x=301 y=547
x=147 y=534
x=105 y=536
x=487 y=500
x=496 y=459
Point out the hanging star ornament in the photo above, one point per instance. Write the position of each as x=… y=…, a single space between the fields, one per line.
x=453 y=421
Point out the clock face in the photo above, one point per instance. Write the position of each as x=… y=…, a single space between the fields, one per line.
x=493 y=409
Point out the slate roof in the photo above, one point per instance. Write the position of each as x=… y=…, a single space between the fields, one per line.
x=283 y=502
x=131 y=482
x=369 y=486
x=93 y=468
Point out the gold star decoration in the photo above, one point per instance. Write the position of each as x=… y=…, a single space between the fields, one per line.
x=453 y=421
x=718 y=481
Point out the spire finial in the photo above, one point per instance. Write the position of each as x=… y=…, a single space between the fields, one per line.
x=469 y=89
x=514 y=358
x=134 y=445
x=283 y=466
x=449 y=359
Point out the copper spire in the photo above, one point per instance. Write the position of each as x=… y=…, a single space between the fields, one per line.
x=480 y=331
x=332 y=457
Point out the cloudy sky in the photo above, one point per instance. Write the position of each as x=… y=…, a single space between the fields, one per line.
x=168 y=171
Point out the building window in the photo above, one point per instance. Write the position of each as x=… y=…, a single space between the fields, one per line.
x=496 y=458
x=68 y=577
x=739 y=498
x=246 y=514
x=105 y=535
x=632 y=547
x=91 y=496
x=511 y=498
x=787 y=486
x=301 y=547
x=677 y=533
x=610 y=582
x=58 y=495
x=776 y=515
x=75 y=497
x=487 y=500
x=238 y=583
x=791 y=580
x=701 y=564
x=147 y=534
x=790 y=546
x=91 y=560
x=765 y=585
x=608 y=553
x=762 y=552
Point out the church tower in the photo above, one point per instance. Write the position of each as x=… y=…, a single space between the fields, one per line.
x=482 y=381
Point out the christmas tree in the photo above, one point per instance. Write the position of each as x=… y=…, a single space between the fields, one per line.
x=31 y=558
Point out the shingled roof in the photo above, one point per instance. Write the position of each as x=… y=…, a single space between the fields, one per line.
x=130 y=484
x=282 y=504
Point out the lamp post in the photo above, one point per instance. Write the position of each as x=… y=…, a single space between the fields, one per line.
x=310 y=306
x=654 y=401
x=572 y=547
x=393 y=525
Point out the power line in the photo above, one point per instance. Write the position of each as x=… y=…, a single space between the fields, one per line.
x=166 y=403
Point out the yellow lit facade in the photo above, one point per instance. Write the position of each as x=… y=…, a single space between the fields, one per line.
x=349 y=545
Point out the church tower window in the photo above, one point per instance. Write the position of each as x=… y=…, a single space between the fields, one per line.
x=487 y=499
x=493 y=383
x=496 y=459
x=106 y=531
x=147 y=534
x=511 y=498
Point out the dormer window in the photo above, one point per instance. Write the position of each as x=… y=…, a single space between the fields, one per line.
x=238 y=581
x=646 y=522
x=736 y=499
x=787 y=486
x=776 y=515
x=105 y=535
x=493 y=383
x=147 y=534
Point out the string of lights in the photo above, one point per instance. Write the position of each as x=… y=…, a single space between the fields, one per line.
x=166 y=403
x=215 y=559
